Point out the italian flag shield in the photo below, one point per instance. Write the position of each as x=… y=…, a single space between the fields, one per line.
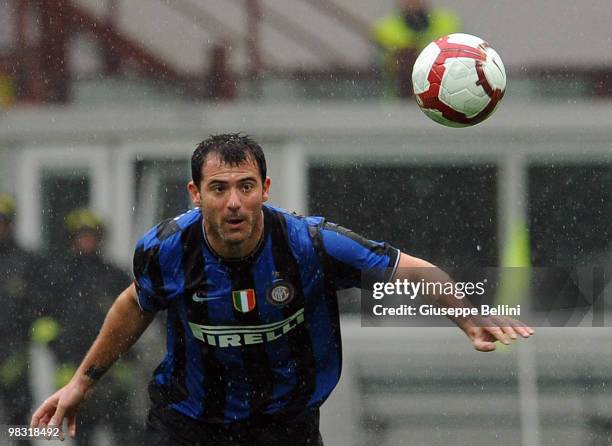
x=244 y=300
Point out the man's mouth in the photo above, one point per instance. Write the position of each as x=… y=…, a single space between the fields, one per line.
x=234 y=221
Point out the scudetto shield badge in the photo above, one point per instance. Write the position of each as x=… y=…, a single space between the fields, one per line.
x=280 y=293
x=244 y=300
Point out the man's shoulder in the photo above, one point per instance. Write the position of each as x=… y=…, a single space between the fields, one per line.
x=293 y=220
x=17 y=251
x=302 y=232
x=391 y=31
x=313 y=224
x=168 y=232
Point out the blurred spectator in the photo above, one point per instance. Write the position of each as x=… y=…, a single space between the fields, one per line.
x=7 y=91
x=18 y=298
x=84 y=287
x=403 y=34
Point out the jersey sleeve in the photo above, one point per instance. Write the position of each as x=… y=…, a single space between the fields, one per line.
x=154 y=291
x=346 y=256
x=159 y=262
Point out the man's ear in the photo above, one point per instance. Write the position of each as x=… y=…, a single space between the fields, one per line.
x=266 y=188
x=194 y=194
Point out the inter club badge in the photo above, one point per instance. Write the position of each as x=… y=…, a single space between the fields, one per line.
x=280 y=293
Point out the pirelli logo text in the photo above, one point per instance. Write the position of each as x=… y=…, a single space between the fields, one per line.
x=239 y=335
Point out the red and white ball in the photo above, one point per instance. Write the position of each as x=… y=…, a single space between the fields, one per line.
x=458 y=80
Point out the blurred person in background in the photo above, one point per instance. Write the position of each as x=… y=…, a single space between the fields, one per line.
x=402 y=35
x=19 y=284
x=83 y=288
x=7 y=91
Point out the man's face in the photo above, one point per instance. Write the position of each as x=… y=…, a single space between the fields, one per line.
x=86 y=242
x=231 y=199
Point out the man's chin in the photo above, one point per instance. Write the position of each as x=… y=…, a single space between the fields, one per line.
x=234 y=240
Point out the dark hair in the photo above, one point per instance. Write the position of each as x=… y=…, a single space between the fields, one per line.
x=232 y=149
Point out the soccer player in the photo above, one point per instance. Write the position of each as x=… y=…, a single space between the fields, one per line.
x=253 y=331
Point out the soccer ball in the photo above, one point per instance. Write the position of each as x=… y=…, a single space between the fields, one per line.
x=458 y=80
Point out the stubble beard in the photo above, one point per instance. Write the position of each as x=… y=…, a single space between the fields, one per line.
x=226 y=238
x=232 y=245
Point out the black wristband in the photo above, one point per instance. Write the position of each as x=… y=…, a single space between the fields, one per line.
x=95 y=373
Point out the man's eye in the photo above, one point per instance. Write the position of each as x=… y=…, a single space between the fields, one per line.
x=247 y=187
x=217 y=188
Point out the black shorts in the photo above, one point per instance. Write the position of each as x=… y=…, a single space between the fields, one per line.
x=166 y=427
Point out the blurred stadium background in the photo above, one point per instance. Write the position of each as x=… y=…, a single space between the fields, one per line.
x=103 y=101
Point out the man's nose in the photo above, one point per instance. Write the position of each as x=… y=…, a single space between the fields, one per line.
x=233 y=200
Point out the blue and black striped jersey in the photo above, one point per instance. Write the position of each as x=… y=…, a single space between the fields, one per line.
x=258 y=335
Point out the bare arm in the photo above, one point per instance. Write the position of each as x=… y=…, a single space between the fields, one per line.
x=123 y=325
x=482 y=334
